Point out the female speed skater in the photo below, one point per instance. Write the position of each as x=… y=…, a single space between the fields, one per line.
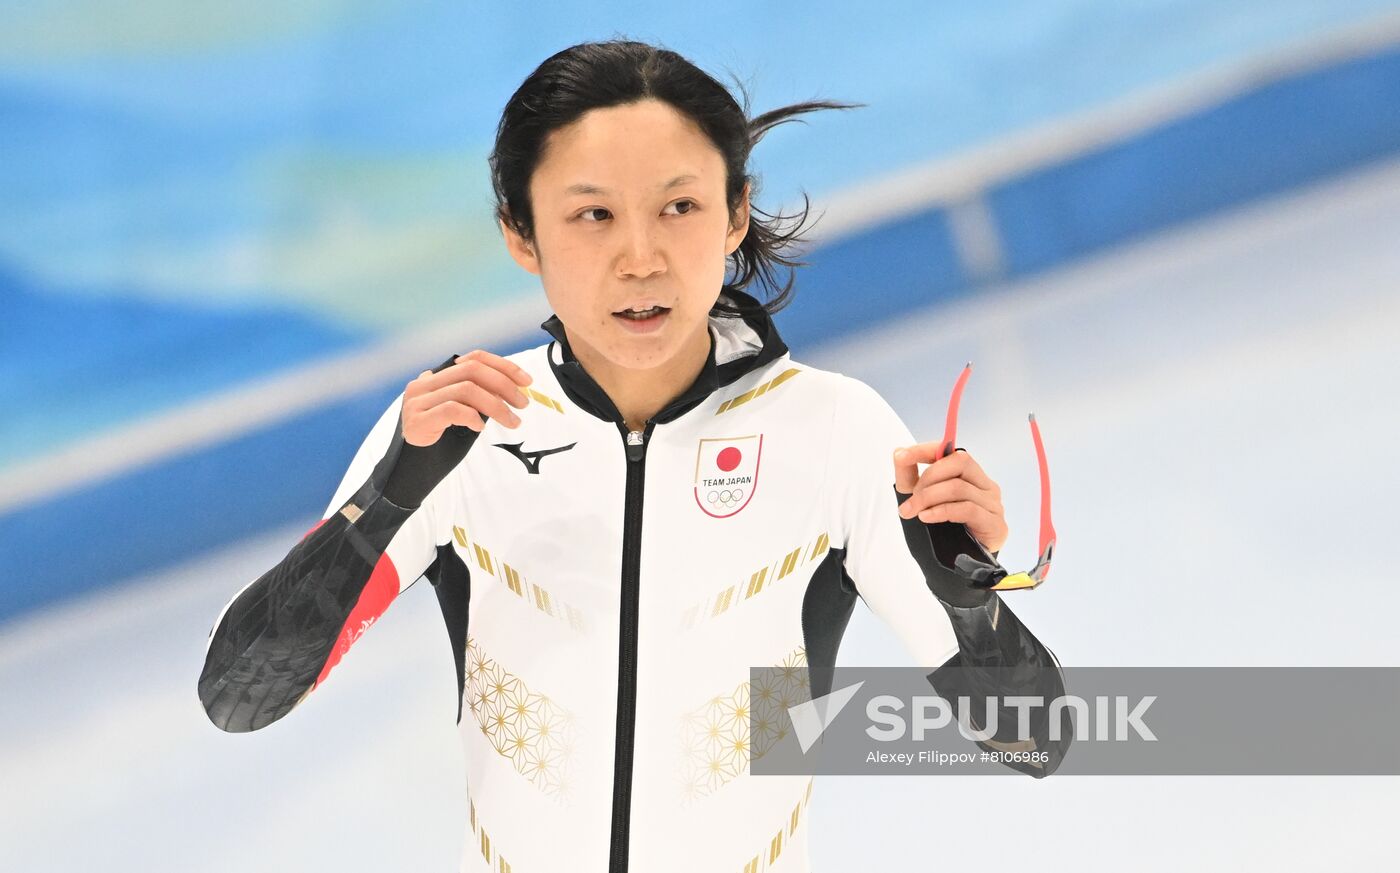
x=619 y=522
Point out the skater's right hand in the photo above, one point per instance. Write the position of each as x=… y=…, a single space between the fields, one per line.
x=478 y=386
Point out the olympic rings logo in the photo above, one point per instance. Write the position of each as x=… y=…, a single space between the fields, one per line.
x=727 y=498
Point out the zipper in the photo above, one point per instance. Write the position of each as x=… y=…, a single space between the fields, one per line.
x=636 y=444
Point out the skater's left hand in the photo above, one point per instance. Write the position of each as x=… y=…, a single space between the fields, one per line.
x=953 y=488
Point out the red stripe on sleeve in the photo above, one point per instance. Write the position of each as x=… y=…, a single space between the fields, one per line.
x=380 y=590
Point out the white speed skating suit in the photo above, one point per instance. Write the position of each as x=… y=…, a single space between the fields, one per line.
x=606 y=593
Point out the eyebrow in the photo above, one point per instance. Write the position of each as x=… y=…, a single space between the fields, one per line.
x=584 y=188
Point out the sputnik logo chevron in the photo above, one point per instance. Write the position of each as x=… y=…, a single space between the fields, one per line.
x=726 y=473
x=811 y=718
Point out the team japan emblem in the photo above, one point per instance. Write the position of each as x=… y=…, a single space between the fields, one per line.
x=726 y=474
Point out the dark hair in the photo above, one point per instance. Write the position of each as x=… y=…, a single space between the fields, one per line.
x=593 y=75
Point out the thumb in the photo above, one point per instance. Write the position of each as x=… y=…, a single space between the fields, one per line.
x=906 y=471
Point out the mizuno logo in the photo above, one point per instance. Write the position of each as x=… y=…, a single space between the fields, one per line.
x=531 y=460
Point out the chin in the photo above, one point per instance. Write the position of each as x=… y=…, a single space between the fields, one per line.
x=642 y=354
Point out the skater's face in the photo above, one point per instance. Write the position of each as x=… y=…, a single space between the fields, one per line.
x=629 y=210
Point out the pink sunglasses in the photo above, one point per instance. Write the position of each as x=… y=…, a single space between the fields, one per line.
x=982 y=569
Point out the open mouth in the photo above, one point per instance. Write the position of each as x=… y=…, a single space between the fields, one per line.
x=645 y=315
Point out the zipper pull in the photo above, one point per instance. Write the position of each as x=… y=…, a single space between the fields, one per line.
x=635 y=440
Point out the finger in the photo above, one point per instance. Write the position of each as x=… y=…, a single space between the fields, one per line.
x=453 y=412
x=907 y=459
x=510 y=368
x=417 y=386
x=906 y=472
x=921 y=453
x=482 y=374
x=501 y=382
x=949 y=491
x=498 y=374
x=468 y=394
x=478 y=397
x=474 y=365
x=959 y=464
x=906 y=466
x=964 y=511
x=972 y=471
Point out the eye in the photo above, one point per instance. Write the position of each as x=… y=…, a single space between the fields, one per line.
x=690 y=204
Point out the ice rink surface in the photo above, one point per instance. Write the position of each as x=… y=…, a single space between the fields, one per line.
x=1218 y=406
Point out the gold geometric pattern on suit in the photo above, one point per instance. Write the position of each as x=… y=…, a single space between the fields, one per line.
x=759 y=580
x=716 y=743
x=758 y=391
x=763 y=859
x=534 y=732
x=545 y=399
x=531 y=593
x=489 y=850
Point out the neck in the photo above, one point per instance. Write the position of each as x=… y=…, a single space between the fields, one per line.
x=641 y=394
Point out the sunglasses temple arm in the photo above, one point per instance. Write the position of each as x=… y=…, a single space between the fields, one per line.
x=950 y=429
x=998 y=655
x=1047 y=527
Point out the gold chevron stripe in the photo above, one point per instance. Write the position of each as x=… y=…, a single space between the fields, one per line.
x=545 y=399
x=790 y=562
x=529 y=592
x=762 y=860
x=512 y=577
x=759 y=391
x=483 y=558
x=758 y=581
x=722 y=603
x=542 y=600
x=498 y=864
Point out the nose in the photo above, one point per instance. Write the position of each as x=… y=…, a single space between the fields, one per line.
x=641 y=256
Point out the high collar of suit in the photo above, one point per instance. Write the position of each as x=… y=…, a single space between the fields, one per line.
x=738 y=345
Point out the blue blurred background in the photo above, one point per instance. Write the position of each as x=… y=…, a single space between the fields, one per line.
x=230 y=233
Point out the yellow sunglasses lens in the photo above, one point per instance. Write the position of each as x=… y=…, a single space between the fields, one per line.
x=1015 y=580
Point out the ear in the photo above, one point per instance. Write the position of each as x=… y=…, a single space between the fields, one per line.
x=739 y=228
x=521 y=251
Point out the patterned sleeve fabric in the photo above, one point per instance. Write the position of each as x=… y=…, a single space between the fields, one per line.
x=280 y=636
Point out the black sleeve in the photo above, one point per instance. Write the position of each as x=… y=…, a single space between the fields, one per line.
x=997 y=654
x=999 y=657
x=274 y=637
